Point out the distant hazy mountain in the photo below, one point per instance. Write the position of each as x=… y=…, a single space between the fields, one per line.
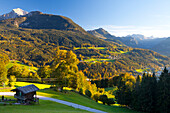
x=13 y=14
x=101 y=33
x=140 y=41
x=136 y=40
x=163 y=47
x=139 y=37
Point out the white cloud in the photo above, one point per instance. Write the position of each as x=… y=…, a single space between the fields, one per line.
x=156 y=31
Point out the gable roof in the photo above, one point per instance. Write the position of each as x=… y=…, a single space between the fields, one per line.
x=27 y=89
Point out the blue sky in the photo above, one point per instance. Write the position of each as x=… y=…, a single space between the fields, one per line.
x=119 y=17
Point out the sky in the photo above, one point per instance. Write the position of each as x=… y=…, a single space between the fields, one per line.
x=118 y=17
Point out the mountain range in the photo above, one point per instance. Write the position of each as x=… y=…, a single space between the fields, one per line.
x=34 y=37
x=160 y=45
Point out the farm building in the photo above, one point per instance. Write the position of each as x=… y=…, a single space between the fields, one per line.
x=26 y=94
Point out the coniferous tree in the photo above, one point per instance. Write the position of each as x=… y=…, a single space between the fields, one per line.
x=151 y=85
x=124 y=92
x=163 y=97
x=135 y=94
x=143 y=93
x=119 y=94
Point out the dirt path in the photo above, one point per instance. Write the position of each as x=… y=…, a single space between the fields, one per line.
x=61 y=102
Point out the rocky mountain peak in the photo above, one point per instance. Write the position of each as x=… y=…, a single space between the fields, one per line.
x=13 y=14
x=19 y=11
x=100 y=33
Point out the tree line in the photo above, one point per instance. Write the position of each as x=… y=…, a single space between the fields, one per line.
x=146 y=93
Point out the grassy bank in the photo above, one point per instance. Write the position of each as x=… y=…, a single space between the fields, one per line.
x=82 y=100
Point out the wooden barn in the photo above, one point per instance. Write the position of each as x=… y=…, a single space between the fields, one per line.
x=25 y=94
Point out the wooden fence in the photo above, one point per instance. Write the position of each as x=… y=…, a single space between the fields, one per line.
x=36 y=79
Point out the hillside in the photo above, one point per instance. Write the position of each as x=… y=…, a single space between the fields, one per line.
x=118 y=60
x=34 y=38
x=18 y=63
x=38 y=43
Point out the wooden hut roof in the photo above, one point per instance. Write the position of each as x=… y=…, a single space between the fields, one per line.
x=26 y=89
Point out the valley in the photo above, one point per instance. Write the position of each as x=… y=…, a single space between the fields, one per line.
x=90 y=68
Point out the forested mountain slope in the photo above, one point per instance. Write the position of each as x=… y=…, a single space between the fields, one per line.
x=34 y=38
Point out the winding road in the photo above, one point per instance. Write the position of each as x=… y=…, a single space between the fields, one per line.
x=61 y=102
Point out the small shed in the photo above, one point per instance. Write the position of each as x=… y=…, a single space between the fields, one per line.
x=26 y=94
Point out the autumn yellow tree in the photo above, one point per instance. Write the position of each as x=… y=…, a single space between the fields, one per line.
x=65 y=69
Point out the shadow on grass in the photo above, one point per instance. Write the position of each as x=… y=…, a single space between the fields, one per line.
x=75 y=97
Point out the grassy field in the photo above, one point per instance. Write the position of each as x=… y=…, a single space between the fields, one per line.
x=45 y=106
x=120 y=52
x=100 y=48
x=11 y=63
x=20 y=84
x=82 y=100
x=40 y=86
x=142 y=70
x=98 y=60
x=111 y=90
x=71 y=96
x=93 y=60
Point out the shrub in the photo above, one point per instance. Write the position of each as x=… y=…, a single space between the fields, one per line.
x=96 y=97
x=12 y=79
x=88 y=93
x=101 y=90
x=110 y=101
x=103 y=98
x=81 y=91
x=11 y=84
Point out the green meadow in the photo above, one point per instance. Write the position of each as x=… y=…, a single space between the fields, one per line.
x=45 y=106
x=100 y=48
x=69 y=95
x=98 y=60
x=15 y=62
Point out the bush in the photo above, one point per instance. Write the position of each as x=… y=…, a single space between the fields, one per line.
x=103 y=98
x=101 y=90
x=81 y=91
x=88 y=93
x=96 y=97
x=12 y=79
x=110 y=101
x=11 y=84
